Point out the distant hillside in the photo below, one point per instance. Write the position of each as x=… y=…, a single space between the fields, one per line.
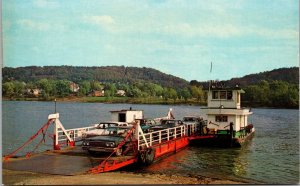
x=290 y=75
x=103 y=74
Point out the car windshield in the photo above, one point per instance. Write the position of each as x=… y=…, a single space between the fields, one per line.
x=189 y=119
x=116 y=131
x=168 y=122
x=106 y=125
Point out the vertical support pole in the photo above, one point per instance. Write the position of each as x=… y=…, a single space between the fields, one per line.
x=56 y=145
x=54 y=141
x=137 y=135
x=151 y=139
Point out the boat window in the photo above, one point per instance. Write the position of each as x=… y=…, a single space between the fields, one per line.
x=222 y=94
x=221 y=118
x=229 y=94
x=122 y=117
x=215 y=94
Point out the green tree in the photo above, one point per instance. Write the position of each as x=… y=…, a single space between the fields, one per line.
x=166 y=93
x=279 y=93
x=158 y=90
x=95 y=85
x=85 y=88
x=263 y=92
x=8 y=89
x=197 y=93
x=19 y=88
x=46 y=87
x=62 y=88
x=170 y=93
x=293 y=96
x=110 y=90
x=185 y=94
x=173 y=94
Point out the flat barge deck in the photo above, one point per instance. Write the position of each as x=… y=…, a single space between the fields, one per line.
x=68 y=162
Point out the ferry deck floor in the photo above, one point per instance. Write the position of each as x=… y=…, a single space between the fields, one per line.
x=71 y=161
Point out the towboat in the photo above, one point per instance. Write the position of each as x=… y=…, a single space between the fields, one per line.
x=227 y=120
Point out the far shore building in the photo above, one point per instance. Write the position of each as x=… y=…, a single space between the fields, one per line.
x=74 y=87
x=34 y=92
x=121 y=93
x=97 y=93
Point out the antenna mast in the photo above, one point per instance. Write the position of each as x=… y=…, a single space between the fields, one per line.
x=209 y=84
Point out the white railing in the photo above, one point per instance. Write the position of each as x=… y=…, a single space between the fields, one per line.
x=144 y=139
x=75 y=134
x=157 y=137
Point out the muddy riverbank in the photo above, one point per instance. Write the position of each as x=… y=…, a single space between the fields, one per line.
x=28 y=178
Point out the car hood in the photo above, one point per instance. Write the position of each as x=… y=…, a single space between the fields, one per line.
x=105 y=138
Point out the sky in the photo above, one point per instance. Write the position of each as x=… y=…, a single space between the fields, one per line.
x=177 y=37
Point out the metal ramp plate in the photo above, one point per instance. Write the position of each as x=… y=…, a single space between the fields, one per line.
x=69 y=162
x=51 y=164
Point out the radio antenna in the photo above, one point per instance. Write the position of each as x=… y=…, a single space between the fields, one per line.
x=209 y=84
x=55 y=105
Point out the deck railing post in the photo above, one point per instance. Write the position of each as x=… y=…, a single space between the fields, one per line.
x=175 y=132
x=56 y=146
x=150 y=139
x=159 y=138
x=168 y=135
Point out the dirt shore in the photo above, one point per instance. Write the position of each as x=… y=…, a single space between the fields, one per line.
x=28 y=178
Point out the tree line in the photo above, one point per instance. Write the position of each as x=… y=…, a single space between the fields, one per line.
x=272 y=94
x=102 y=74
x=51 y=89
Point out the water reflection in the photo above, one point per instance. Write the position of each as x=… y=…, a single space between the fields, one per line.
x=196 y=161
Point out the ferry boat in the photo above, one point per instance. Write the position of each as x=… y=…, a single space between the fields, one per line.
x=135 y=146
x=227 y=121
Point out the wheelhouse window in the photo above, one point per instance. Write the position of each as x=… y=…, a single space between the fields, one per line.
x=215 y=94
x=221 y=118
x=229 y=94
x=222 y=94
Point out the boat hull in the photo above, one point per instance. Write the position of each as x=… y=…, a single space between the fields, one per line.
x=223 y=141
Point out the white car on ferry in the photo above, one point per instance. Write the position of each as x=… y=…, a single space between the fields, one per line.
x=100 y=128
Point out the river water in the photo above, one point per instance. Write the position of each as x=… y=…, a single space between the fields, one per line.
x=271 y=157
